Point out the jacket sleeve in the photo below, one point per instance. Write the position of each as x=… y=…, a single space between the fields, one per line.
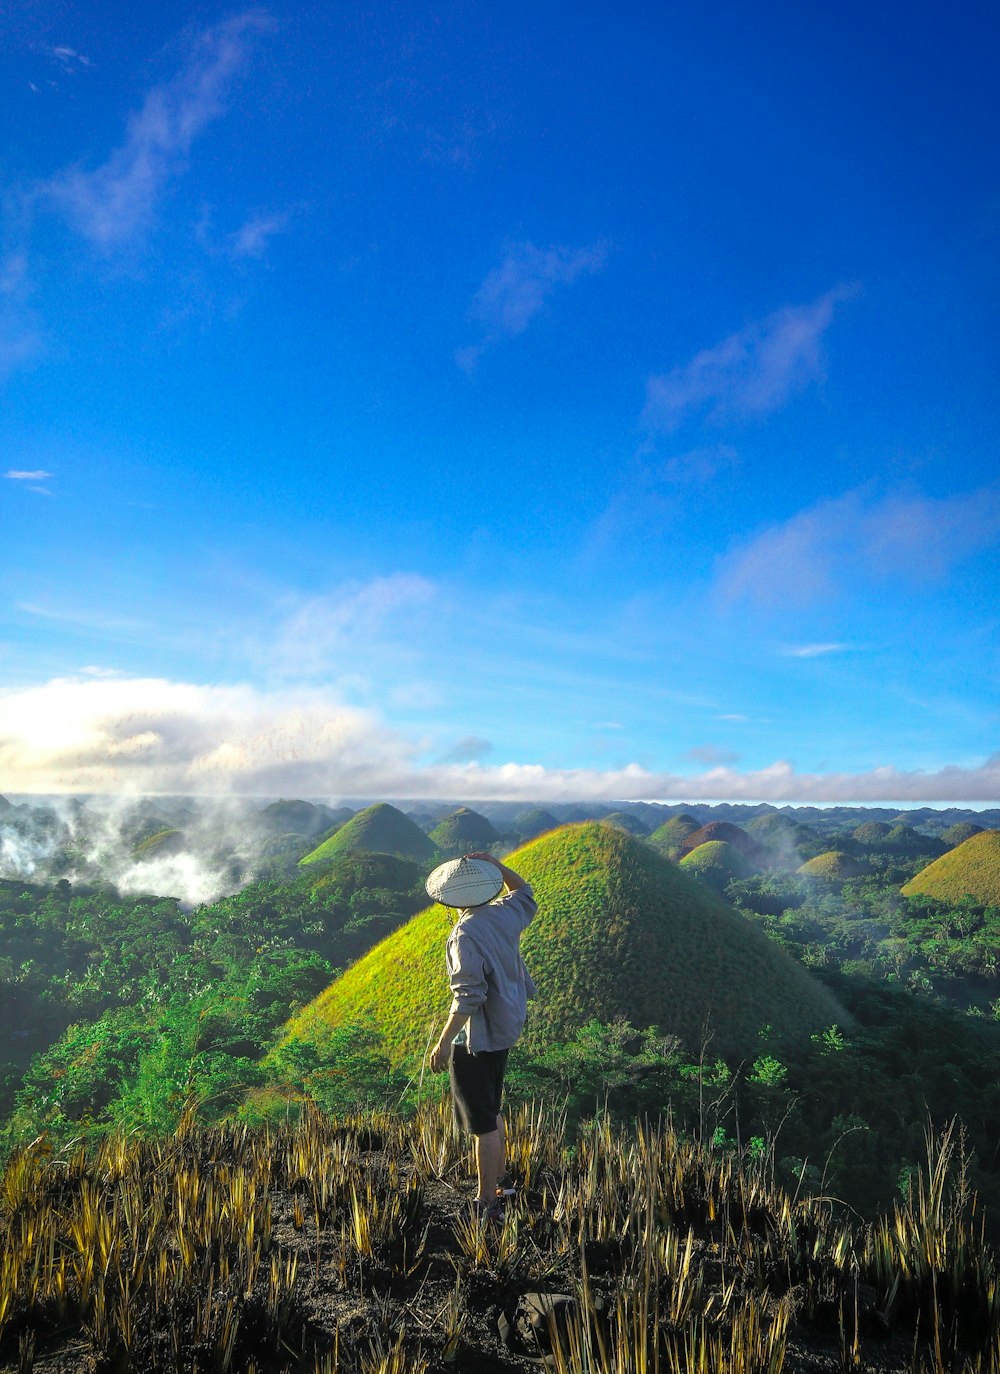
x=466 y=974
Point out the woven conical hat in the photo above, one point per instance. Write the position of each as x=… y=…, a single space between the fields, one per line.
x=464 y=882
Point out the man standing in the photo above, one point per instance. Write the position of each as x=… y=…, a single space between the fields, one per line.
x=490 y=987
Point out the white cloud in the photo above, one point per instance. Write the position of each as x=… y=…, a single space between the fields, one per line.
x=36 y=475
x=818 y=551
x=750 y=373
x=114 y=203
x=156 y=736
x=516 y=291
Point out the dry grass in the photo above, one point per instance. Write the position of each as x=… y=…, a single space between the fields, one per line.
x=341 y=1246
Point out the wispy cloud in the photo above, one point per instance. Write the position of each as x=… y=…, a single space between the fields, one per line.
x=749 y=373
x=36 y=475
x=252 y=238
x=650 y=492
x=326 y=631
x=813 y=650
x=514 y=293
x=20 y=335
x=152 y=735
x=69 y=59
x=114 y=203
x=822 y=550
x=710 y=755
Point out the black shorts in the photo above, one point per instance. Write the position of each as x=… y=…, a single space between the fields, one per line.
x=477 y=1087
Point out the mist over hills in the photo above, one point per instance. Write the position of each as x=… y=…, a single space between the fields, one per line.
x=199 y=848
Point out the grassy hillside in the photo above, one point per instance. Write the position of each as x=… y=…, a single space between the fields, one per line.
x=379 y=829
x=971 y=870
x=717 y=863
x=625 y=820
x=160 y=845
x=834 y=866
x=871 y=832
x=462 y=831
x=669 y=838
x=620 y=932
x=301 y=818
x=529 y=824
x=730 y=834
x=960 y=832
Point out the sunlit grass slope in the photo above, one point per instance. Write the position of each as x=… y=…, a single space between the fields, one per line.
x=971 y=870
x=834 y=866
x=716 y=862
x=379 y=829
x=620 y=932
x=160 y=845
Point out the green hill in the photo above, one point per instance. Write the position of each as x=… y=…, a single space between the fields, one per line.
x=910 y=844
x=527 y=825
x=624 y=820
x=871 y=832
x=669 y=838
x=960 y=832
x=159 y=846
x=971 y=870
x=731 y=834
x=379 y=829
x=769 y=824
x=620 y=932
x=301 y=818
x=463 y=830
x=834 y=866
x=717 y=863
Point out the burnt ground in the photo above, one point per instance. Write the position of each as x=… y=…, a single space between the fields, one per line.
x=434 y=1292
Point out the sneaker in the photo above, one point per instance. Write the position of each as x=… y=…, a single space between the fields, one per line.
x=506 y=1187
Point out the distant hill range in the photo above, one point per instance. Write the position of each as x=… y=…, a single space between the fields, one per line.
x=621 y=932
x=970 y=870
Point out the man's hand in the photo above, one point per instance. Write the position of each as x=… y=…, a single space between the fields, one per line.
x=440 y=1055
x=512 y=879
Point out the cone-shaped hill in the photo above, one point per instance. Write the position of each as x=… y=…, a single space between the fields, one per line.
x=669 y=837
x=833 y=866
x=730 y=834
x=620 y=932
x=625 y=820
x=301 y=818
x=379 y=829
x=529 y=824
x=463 y=830
x=971 y=870
x=717 y=863
x=871 y=832
x=960 y=832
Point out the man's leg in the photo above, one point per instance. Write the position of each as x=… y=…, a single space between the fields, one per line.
x=489 y=1163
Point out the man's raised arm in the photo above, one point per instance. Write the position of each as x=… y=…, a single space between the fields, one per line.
x=512 y=879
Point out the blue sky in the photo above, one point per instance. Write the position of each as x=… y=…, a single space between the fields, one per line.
x=484 y=401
